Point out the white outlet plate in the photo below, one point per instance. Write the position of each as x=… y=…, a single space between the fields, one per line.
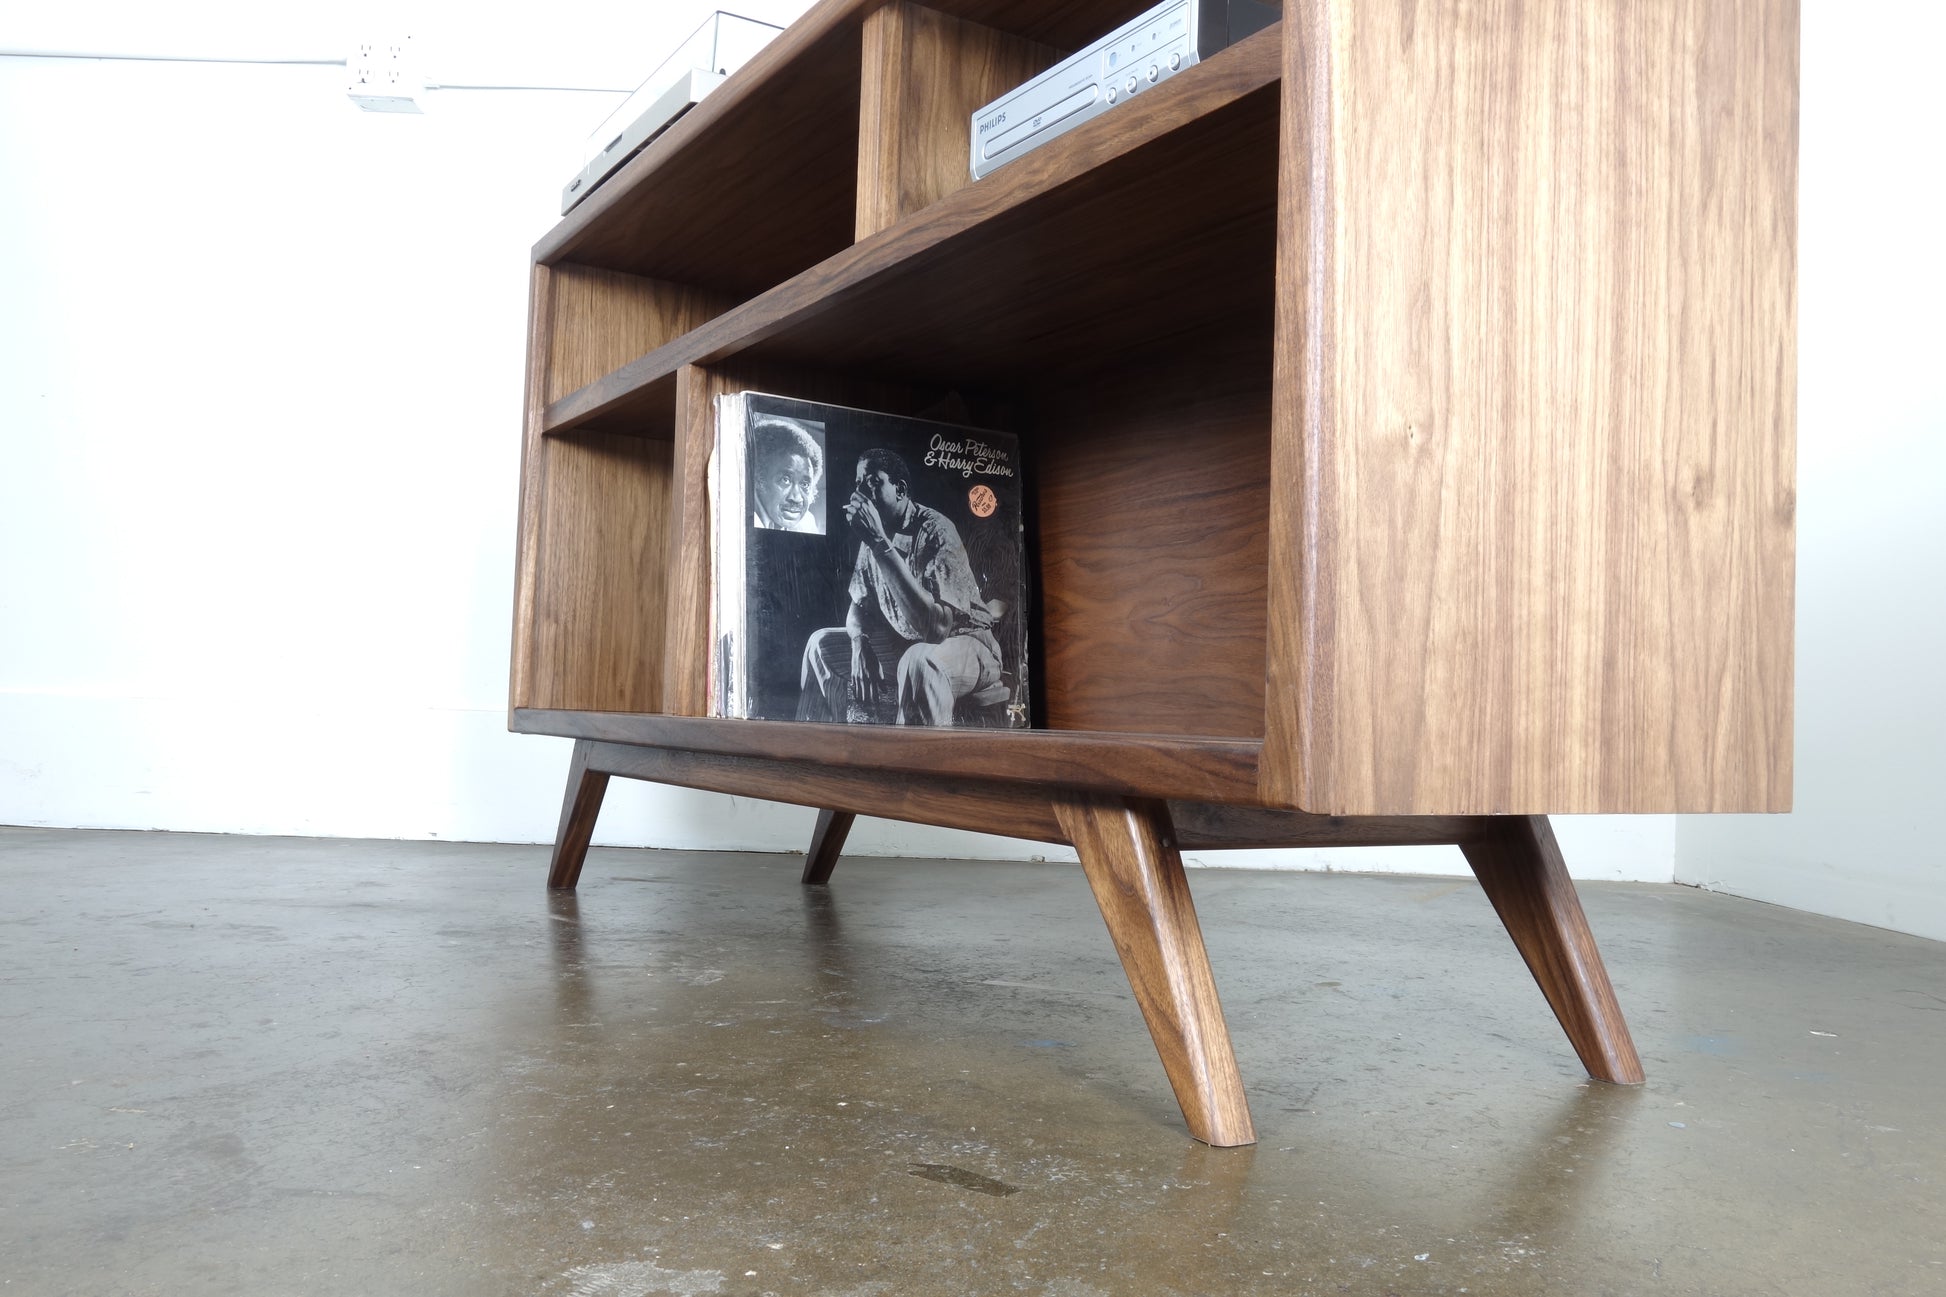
x=384 y=77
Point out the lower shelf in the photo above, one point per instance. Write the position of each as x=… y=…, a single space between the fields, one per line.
x=1221 y=770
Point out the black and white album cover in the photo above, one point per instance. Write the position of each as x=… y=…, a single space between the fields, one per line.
x=867 y=568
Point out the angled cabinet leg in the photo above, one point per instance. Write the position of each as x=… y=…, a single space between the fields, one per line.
x=1128 y=851
x=827 y=840
x=579 y=808
x=1519 y=865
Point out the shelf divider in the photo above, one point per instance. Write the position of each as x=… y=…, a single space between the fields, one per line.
x=686 y=645
x=924 y=74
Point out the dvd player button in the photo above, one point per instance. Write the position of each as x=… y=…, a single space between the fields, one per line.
x=1175 y=62
x=1130 y=87
x=1154 y=72
x=1112 y=93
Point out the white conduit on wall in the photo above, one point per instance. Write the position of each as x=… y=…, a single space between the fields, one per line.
x=119 y=56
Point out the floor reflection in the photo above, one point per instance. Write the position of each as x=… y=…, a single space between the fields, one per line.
x=1545 y=1192
x=574 y=992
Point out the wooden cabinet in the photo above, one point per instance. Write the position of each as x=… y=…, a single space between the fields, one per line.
x=1408 y=393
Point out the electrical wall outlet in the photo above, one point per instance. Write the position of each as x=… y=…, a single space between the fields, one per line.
x=385 y=77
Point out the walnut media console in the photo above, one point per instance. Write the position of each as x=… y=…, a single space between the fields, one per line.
x=1409 y=400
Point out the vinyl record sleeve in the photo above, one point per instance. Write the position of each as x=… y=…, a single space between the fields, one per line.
x=819 y=613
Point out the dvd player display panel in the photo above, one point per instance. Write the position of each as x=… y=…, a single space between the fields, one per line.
x=1119 y=66
x=1018 y=134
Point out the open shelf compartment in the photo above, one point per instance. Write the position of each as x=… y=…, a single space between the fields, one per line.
x=1146 y=226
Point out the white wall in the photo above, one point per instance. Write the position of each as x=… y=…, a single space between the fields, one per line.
x=260 y=366
x=1863 y=841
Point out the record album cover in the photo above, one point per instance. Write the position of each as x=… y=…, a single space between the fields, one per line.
x=867 y=568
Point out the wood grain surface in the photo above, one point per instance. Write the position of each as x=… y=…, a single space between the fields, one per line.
x=1128 y=852
x=1014 y=809
x=827 y=842
x=533 y=490
x=686 y=646
x=602 y=319
x=1519 y=866
x=592 y=556
x=1152 y=487
x=601 y=573
x=1201 y=826
x=1216 y=770
x=925 y=74
x=1536 y=402
x=1064 y=27
x=580 y=806
x=747 y=188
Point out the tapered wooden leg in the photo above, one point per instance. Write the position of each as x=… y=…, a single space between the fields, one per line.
x=827 y=840
x=1128 y=851
x=1519 y=865
x=579 y=808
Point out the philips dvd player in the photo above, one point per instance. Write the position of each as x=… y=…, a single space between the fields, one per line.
x=1121 y=65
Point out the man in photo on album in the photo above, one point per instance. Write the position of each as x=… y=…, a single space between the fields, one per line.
x=786 y=466
x=917 y=636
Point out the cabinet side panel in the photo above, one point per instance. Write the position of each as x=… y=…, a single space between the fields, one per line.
x=1555 y=442
x=601 y=587
x=1152 y=490
x=1296 y=673
x=533 y=490
x=602 y=319
x=924 y=75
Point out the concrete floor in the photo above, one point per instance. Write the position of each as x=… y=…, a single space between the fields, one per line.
x=270 y=1066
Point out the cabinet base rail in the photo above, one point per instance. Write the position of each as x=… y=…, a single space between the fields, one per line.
x=1130 y=851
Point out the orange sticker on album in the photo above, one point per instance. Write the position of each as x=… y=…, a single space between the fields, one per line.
x=981 y=499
